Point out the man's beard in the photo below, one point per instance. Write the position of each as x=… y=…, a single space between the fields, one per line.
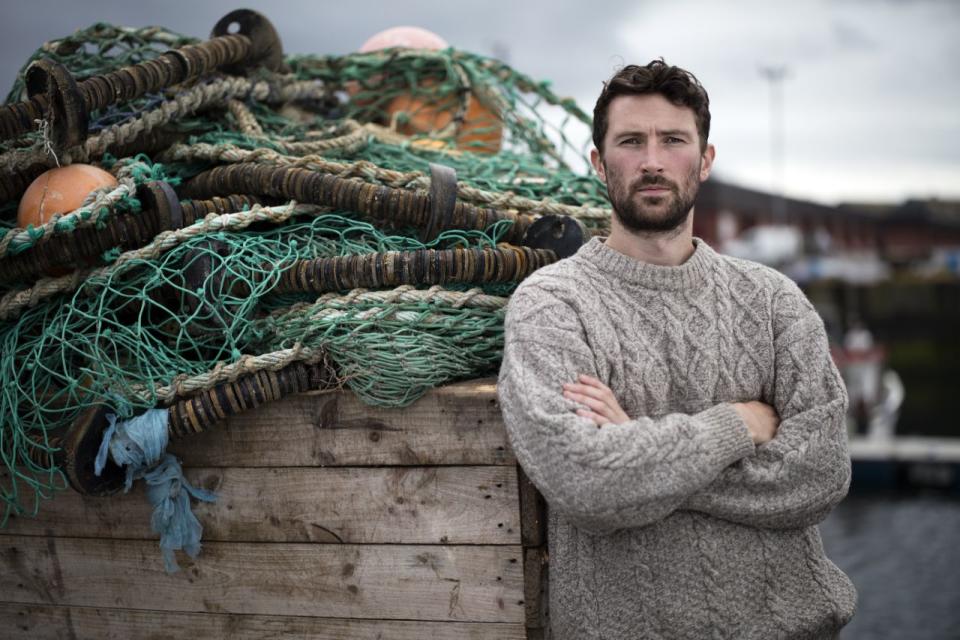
x=640 y=218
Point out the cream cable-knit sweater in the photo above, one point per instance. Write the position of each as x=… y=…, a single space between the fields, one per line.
x=674 y=524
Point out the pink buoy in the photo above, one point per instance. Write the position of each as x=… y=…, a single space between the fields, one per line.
x=409 y=37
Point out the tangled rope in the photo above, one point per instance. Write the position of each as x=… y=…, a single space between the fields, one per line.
x=243 y=288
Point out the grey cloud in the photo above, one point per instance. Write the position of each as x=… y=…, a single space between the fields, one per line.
x=848 y=36
x=883 y=63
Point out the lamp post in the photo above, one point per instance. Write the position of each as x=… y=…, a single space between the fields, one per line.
x=774 y=74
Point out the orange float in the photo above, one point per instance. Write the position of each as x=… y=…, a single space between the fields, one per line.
x=60 y=190
x=481 y=129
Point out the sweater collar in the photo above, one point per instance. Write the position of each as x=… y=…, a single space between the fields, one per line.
x=691 y=274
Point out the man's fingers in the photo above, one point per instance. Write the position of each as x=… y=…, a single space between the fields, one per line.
x=587 y=390
x=593 y=383
x=602 y=405
x=598 y=406
x=599 y=388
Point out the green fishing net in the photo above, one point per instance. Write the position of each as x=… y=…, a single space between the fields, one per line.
x=125 y=332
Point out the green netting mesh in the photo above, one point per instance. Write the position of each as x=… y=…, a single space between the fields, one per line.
x=132 y=329
x=101 y=48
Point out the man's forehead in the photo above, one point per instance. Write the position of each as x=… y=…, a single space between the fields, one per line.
x=648 y=111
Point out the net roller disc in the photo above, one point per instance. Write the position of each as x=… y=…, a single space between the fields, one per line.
x=564 y=235
x=66 y=109
x=79 y=451
x=187 y=416
x=267 y=50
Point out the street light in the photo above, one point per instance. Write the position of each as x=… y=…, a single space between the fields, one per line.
x=774 y=74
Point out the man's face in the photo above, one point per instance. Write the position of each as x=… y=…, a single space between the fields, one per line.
x=652 y=163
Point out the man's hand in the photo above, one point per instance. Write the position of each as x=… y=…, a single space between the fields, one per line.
x=602 y=406
x=762 y=420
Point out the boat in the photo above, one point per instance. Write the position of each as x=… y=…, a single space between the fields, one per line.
x=882 y=459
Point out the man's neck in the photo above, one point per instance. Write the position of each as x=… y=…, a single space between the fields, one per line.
x=664 y=248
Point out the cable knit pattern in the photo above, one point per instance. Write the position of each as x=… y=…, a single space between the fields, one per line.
x=674 y=525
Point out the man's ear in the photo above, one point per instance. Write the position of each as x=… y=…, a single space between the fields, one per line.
x=706 y=163
x=597 y=163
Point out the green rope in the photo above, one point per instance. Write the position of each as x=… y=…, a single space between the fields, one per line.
x=390 y=353
x=126 y=333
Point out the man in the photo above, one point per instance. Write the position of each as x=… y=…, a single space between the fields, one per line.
x=678 y=409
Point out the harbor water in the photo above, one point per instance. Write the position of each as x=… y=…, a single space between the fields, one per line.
x=902 y=552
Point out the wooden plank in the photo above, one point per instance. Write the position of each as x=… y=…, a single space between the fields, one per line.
x=406 y=582
x=535 y=588
x=455 y=505
x=533 y=524
x=451 y=425
x=44 y=622
x=533 y=512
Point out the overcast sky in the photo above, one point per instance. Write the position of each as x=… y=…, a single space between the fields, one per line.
x=871 y=96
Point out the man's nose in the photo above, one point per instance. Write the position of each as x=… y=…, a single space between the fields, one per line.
x=652 y=159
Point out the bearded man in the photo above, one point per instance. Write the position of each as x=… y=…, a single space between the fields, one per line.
x=678 y=409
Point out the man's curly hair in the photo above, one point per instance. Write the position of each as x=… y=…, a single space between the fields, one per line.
x=677 y=85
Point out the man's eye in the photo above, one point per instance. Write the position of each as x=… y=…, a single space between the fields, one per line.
x=630 y=141
x=674 y=140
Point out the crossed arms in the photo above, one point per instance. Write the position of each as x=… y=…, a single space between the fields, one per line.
x=607 y=473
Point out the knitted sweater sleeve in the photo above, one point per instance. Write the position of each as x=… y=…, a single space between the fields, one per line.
x=798 y=477
x=609 y=478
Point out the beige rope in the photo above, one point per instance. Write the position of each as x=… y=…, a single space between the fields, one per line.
x=185 y=103
x=87 y=214
x=354 y=140
x=183 y=385
x=327 y=307
x=333 y=303
x=245 y=118
x=14 y=302
x=372 y=173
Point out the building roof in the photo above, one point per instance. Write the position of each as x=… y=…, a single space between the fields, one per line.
x=941 y=213
x=717 y=195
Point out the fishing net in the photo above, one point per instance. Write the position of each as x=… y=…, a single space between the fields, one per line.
x=152 y=314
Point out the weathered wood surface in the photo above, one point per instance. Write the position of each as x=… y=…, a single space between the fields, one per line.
x=535 y=587
x=392 y=505
x=334 y=520
x=405 y=582
x=457 y=424
x=533 y=525
x=533 y=512
x=44 y=622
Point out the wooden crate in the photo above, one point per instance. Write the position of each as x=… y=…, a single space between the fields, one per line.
x=334 y=520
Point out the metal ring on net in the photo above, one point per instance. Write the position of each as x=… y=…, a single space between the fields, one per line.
x=434 y=213
x=55 y=95
x=207 y=284
x=162 y=211
x=418 y=267
x=431 y=212
x=75 y=450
